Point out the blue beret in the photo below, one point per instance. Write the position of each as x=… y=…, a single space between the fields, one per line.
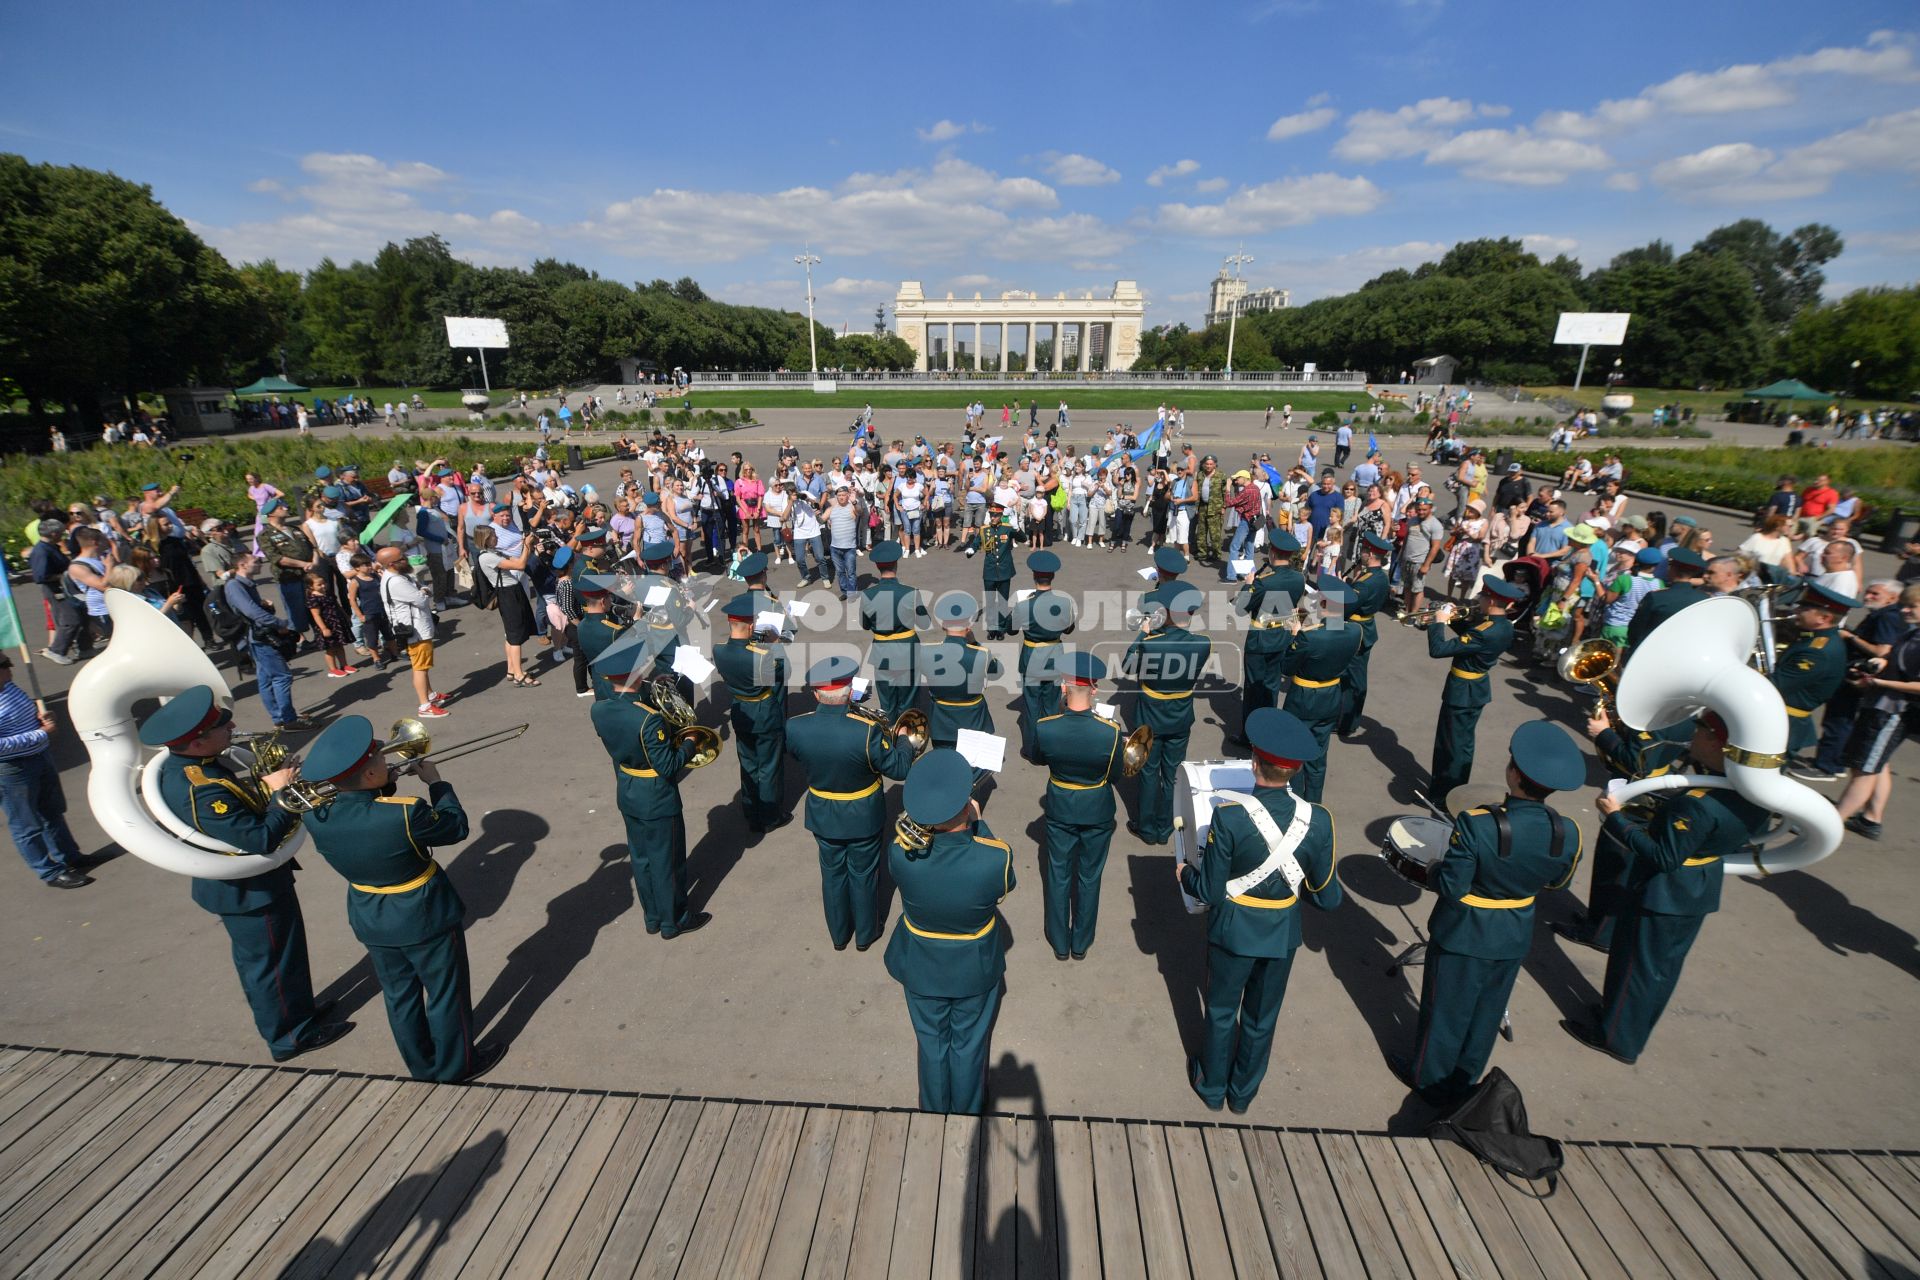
x=189 y=714
x=835 y=669
x=1502 y=588
x=656 y=551
x=342 y=748
x=1167 y=560
x=270 y=506
x=1281 y=736
x=753 y=564
x=1375 y=541
x=1686 y=556
x=955 y=607
x=1084 y=664
x=1544 y=753
x=442 y=472
x=1044 y=562
x=1815 y=594
x=650 y=498
x=323 y=473
x=332 y=492
x=498 y=507
x=887 y=552
x=1181 y=598
x=938 y=787
x=1649 y=556
x=596 y=534
x=150 y=486
x=1283 y=541
x=563 y=557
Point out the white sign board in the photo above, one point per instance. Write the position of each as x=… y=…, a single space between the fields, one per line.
x=1591 y=328
x=476 y=331
x=825 y=386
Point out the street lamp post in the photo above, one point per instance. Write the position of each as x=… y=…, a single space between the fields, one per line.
x=1235 y=260
x=810 y=260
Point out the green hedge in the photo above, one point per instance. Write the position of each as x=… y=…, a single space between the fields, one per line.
x=1885 y=477
x=1539 y=427
x=215 y=480
x=674 y=419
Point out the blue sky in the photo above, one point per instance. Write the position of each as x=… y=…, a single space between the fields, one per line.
x=996 y=145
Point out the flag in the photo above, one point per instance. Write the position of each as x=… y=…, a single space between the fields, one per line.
x=1373 y=445
x=12 y=634
x=1273 y=474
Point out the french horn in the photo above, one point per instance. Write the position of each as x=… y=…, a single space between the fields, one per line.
x=662 y=694
x=911 y=724
x=1134 y=750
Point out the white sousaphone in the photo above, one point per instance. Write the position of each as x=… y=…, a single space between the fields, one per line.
x=150 y=657
x=1697 y=660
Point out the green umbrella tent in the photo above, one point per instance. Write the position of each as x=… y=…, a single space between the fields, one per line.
x=1786 y=389
x=274 y=386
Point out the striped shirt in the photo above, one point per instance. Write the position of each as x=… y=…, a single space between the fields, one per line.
x=20 y=732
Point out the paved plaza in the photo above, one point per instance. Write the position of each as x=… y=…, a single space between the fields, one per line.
x=1794 y=1023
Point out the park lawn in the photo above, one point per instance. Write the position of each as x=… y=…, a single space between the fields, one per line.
x=1078 y=396
x=380 y=395
x=1645 y=399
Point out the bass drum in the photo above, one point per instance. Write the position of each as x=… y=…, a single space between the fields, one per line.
x=1196 y=792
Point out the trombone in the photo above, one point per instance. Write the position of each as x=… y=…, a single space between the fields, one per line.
x=408 y=745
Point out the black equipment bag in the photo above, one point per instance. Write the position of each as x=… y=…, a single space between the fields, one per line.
x=1492 y=1123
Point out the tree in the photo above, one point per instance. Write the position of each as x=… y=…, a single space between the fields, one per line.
x=283 y=338
x=687 y=289
x=1784 y=270
x=1878 y=327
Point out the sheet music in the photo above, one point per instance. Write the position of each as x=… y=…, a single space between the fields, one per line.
x=982 y=750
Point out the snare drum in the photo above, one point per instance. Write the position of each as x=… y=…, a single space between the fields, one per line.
x=1414 y=843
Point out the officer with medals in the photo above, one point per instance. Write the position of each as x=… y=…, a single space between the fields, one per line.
x=1258 y=860
x=1316 y=661
x=996 y=565
x=1675 y=874
x=1478 y=641
x=261 y=913
x=947 y=949
x=1367 y=594
x=1497 y=862
x=956 y=671
x=1630 y=754
x=1686 y=576
x=1814 y=666
x=1082 y=752
x=647 y=762
x=755 y=673
x=401 y=905
x=1269 y=599
x=1041 y=619
x=892 y=613
x=845 y=756
x=1167 y=662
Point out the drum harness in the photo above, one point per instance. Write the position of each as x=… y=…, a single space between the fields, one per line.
x=1280 y=845
x=1505 y=830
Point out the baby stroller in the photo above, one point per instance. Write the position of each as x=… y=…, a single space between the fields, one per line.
x=1529 y=572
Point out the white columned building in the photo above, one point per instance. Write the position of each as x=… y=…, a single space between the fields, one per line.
x=1027 y=331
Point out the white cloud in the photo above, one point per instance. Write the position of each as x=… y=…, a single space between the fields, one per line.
x=973 y=280
x=1178 y=169
x=1076 y=170
x=1888 y=241
x=1517 y=157
x=948 y=130
x=1736 y=171
x=1207 y=186
x=1623 y=181
x=1728 y=162
x=266 y=187
x=1301 y=122
x=1374 y=135
x=1286 y=202
x=1549 y=246
x=847 y=287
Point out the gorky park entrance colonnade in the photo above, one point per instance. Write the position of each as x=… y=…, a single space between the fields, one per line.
x=1020 y=331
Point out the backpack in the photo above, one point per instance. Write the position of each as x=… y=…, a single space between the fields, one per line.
x=227 y=625
x=1492 y=1123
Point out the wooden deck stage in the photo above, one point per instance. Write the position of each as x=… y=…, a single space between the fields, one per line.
x=121 y=1166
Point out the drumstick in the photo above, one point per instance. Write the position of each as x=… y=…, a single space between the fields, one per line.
x=1433 y=808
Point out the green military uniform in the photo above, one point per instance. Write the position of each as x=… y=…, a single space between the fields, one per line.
x=1676 y=874
x=956 y=671
x=1268 y=599
x=1475 y=649
x=1315 y=663
x=1083 y=757
x=1167 y=663
x=1497 y=862
x=1638 y=753
x=1042 y=619
x=892 y=613
x=1658 y=607
x=664 y=624
x=756 y=677
x=597 y=633
x=996 y=570
x=1252 y=934
x=948 y=950
x=1809 y=673
x=845 y=756
x=1368 y=594
x=1209 y=513
x=647 y=765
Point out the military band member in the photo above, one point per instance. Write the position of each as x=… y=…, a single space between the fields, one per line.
x=663 y=607
x=755 y=673
x=1686 y=575
x=1268 y=599
x=1475 y=647
x=1315 y=662
x=1167 y=662
x=1814 y=666
x=598 y=630
x=1631 y=754
x=1168 y=565
x=401 y=905
x=996 y=541
x=1041 y=619
x=892 y=613
x=261 y=913
x=956 y=671
x=1675 y=872
x=1367 y=594
x=845 y=756
x=647 y=762
x=948 y=949
x=1082 y=752
x=1251 y=875
x=1497 y=862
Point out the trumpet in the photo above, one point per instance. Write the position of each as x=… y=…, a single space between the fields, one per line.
x=661 y=694
x=1145 y=619
x=911 y=724
x=408 y=745
x=1422 y=617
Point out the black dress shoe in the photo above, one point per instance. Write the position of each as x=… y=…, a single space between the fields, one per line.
x=864 y=946
x=1193 y=1082
x=1239 y=1108
x=779 y=822
x=698 y=920
x=840 y=946
x=485 y=1059
x=322 y=1035
x=1059 y=955
x=1590 y=1036
x=1575 y=932
x=1079 y=955
x=70 y=880
x=1133 y=828
x=1402 y=1069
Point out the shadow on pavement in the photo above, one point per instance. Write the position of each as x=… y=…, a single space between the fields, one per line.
x=1177 y=942
x=1840 y=926
x=537 y=967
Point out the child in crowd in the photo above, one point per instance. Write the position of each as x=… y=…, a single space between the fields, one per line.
x=376 y=635
x=325 y=611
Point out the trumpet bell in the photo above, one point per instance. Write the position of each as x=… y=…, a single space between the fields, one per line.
x=408 y=739
x=707 y=744
x=1590 y=661
x=1134 y=751
x=913 y=726
x=911 y=835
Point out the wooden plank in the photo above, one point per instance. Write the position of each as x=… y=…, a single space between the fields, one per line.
x=1623 y=1235
x=1320 y=1207
x=766 y=1186
x=1233 y=1184
x=117 y=1221
x=1897 y=1212
x=1445 y=1209
x=1405 y=1213
x=1857 y=1217
x=44 y=1105
x=1894 y=1175
x=50 y=1072
x=673 y=1225
x=1736 y=1184
x=627 y=1238
x=1199 y=1203
x=1076 y=1205
x=1122 y=1252
x=23 y=1066
x=1819 y=1220
x=1159 y=1209
x=558 y=1179
x=1511 y=1257
x=419 y=1233
x=879 y=1196
x=957 y=1209
x=70 y=1126
x=10 y=1058
x=1685 y=1214
x=314 y=1179
x=712 y=1229
x=840 y=1200
x=911 y=1257
x=1286 y=1221
x=41 y=1218
x=375 y=1159
x=587 y=1232
x=999 y=1197
x=1372 y=1233
x=800 y=1202
x=500 y=1209
x=1591 y=1245
x=1037 y=1249
x=1555 y=1253
x=206 y=1180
